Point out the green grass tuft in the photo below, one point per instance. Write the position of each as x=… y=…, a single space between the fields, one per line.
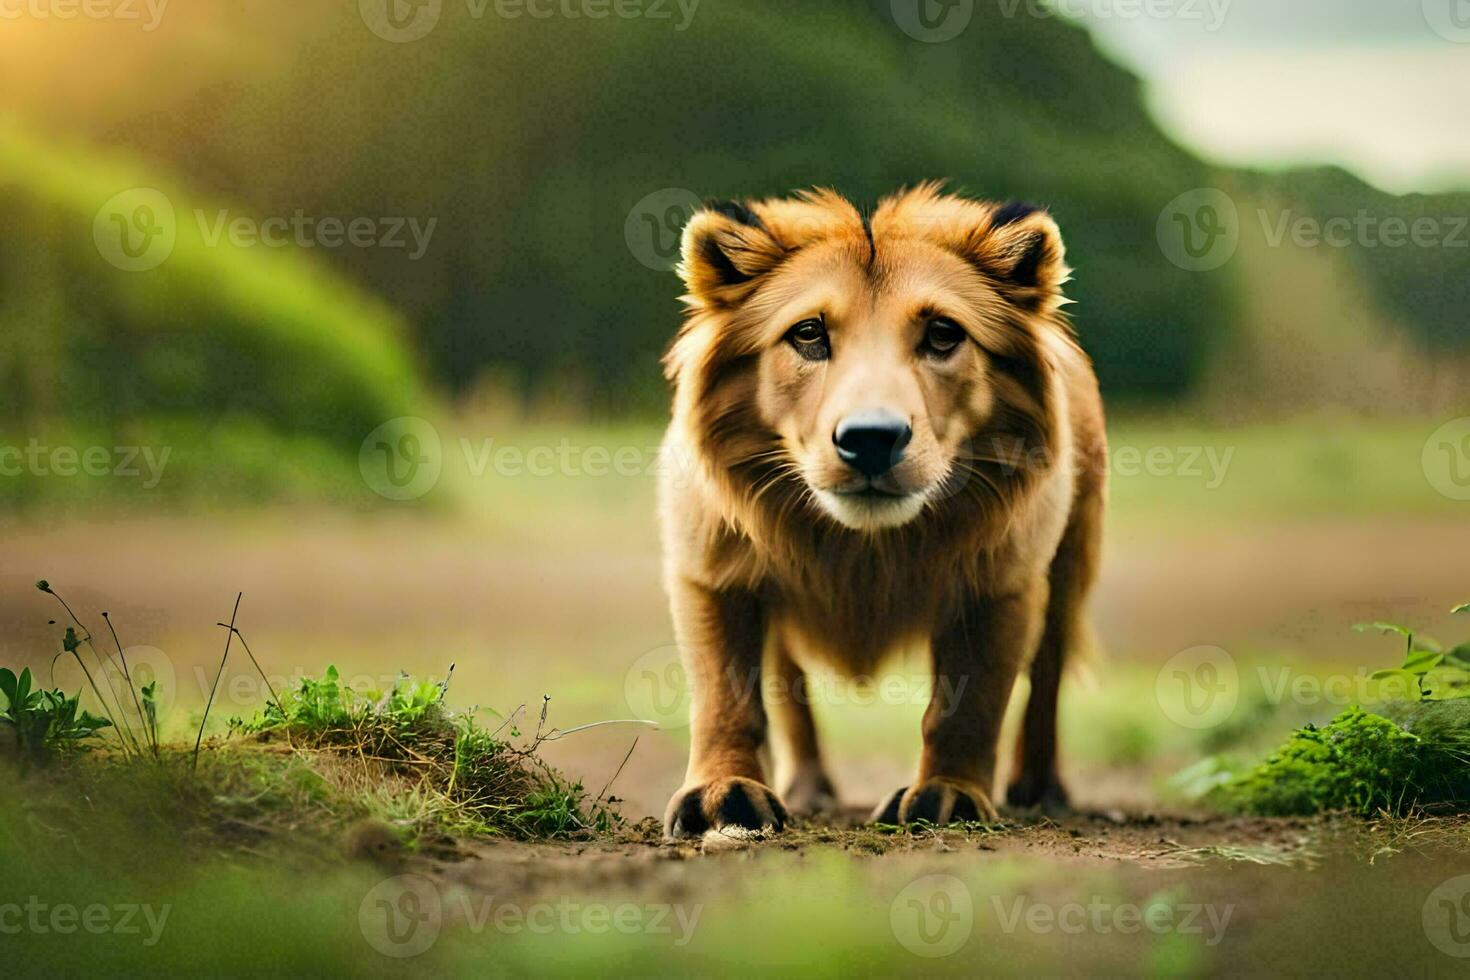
x=1363 y=763
x=454 y=777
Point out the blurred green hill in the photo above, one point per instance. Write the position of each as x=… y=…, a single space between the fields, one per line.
x=532 y=140
x=254 y=370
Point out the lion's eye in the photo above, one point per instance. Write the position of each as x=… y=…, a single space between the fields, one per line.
x=809 y=337
x=941 y=337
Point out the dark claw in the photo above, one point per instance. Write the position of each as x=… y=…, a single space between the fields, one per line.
x=942 y=804
x=887 y=812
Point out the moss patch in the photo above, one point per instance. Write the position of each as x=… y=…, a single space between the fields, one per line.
x=1363 y=763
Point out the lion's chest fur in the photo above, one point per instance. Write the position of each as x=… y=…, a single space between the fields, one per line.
x=849 y=609
x=845 y=601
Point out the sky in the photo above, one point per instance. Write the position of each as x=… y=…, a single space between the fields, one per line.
x=1381 y=87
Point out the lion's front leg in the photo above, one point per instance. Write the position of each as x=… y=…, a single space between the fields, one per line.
x=976 y=659
x=722 y=637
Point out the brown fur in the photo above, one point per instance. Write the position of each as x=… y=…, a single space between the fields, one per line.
x=768 y=563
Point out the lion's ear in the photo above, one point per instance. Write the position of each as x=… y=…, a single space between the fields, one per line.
x=726 y=248
x=1020 y=248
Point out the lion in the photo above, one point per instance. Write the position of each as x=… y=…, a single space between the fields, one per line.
x=892 y=440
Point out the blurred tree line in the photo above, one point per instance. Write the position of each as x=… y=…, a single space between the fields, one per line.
x=531 y=140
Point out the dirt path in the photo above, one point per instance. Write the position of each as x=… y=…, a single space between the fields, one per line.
x=1100 y=894
x=383 y=594
x=310 y=576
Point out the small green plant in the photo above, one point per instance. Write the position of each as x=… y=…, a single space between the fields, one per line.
x=43 y=721
x=72 y=642
x=410 y=701
x=1423 y=656
x=324 y=705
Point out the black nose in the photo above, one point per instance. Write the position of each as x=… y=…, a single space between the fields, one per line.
x=872 y=442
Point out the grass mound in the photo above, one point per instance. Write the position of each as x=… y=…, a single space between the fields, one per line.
x=388 y=769
x=1411 y=754
x=1364 y=763
x=324 y=770
x=452 y=775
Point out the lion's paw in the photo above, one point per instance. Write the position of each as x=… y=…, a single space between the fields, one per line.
x=938 y=801
x=1048 y=793
x=733 y=802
